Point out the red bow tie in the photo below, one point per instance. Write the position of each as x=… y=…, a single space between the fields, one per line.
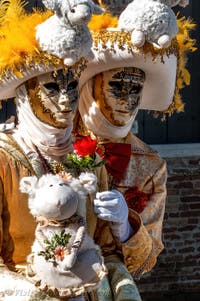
x=117 y=157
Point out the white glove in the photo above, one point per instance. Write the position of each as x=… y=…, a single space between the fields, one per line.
x=111 y=206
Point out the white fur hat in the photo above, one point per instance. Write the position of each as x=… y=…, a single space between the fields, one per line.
x=35 y=43
x=112 y=49
x=165 y=69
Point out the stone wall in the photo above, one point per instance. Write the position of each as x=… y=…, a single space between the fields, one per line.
x=178 y=266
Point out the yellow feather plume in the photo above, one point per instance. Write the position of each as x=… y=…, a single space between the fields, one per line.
x=104 y=21
x=3 y=8
x=186 y=44
x=17 y=35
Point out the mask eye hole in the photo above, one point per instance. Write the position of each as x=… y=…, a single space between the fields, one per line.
x=72 y=85
x=136 y=89
x=116 y=85
x=52 y=87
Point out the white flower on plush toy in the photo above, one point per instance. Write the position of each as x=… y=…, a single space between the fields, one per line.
x=66 y=176
x=88 y=180
x=149 y=20
x=66 y=34
x=62 y=250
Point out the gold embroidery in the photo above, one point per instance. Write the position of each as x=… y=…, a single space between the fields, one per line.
x=16 y=152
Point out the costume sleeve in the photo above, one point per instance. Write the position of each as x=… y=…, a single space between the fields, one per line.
x=1 y=223
x=141 y=250
x=11 y=283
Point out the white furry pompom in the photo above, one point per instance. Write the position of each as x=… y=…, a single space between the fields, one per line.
x=89 y=181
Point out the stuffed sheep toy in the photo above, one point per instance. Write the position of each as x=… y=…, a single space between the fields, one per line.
x=150 y=20
x=66 y=34
x=64 y=258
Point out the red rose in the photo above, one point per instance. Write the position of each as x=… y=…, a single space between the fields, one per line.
x=136 y=199
x=85 y=146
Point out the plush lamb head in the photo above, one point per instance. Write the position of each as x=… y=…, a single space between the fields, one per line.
x=65 y=34
x=149 y=20
x=77 y=12
x=64 y=258
x=55 y=198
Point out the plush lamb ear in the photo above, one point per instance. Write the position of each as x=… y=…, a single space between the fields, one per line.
x=88 y=181
x=96 y=9
x=164 y=41
x=138 y=38
x=27 y=184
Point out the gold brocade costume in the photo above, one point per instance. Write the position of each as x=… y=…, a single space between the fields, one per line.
x=147 y=171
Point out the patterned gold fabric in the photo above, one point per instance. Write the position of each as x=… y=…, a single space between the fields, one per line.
x=147 y=171
x=17 y=225
x=122 y=286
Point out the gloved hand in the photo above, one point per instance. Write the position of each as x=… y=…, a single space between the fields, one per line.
x=111 y=206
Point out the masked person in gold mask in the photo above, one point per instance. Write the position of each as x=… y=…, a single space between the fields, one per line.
x=118 y=82
x=134 y=168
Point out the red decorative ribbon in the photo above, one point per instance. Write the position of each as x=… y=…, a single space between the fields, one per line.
x=136 y=199
x=117 y=157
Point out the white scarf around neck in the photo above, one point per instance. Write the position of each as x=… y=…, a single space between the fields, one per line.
x=52 y=142
x=95 y=121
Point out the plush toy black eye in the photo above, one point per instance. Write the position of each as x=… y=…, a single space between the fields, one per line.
x=51 y=185
x=73 y=10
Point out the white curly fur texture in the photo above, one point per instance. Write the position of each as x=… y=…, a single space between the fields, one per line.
x=149 y=20
x=66 y=34
x=51 y=198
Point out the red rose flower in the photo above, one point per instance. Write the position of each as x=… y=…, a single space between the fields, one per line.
x=136 y=199
x=85 y=146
